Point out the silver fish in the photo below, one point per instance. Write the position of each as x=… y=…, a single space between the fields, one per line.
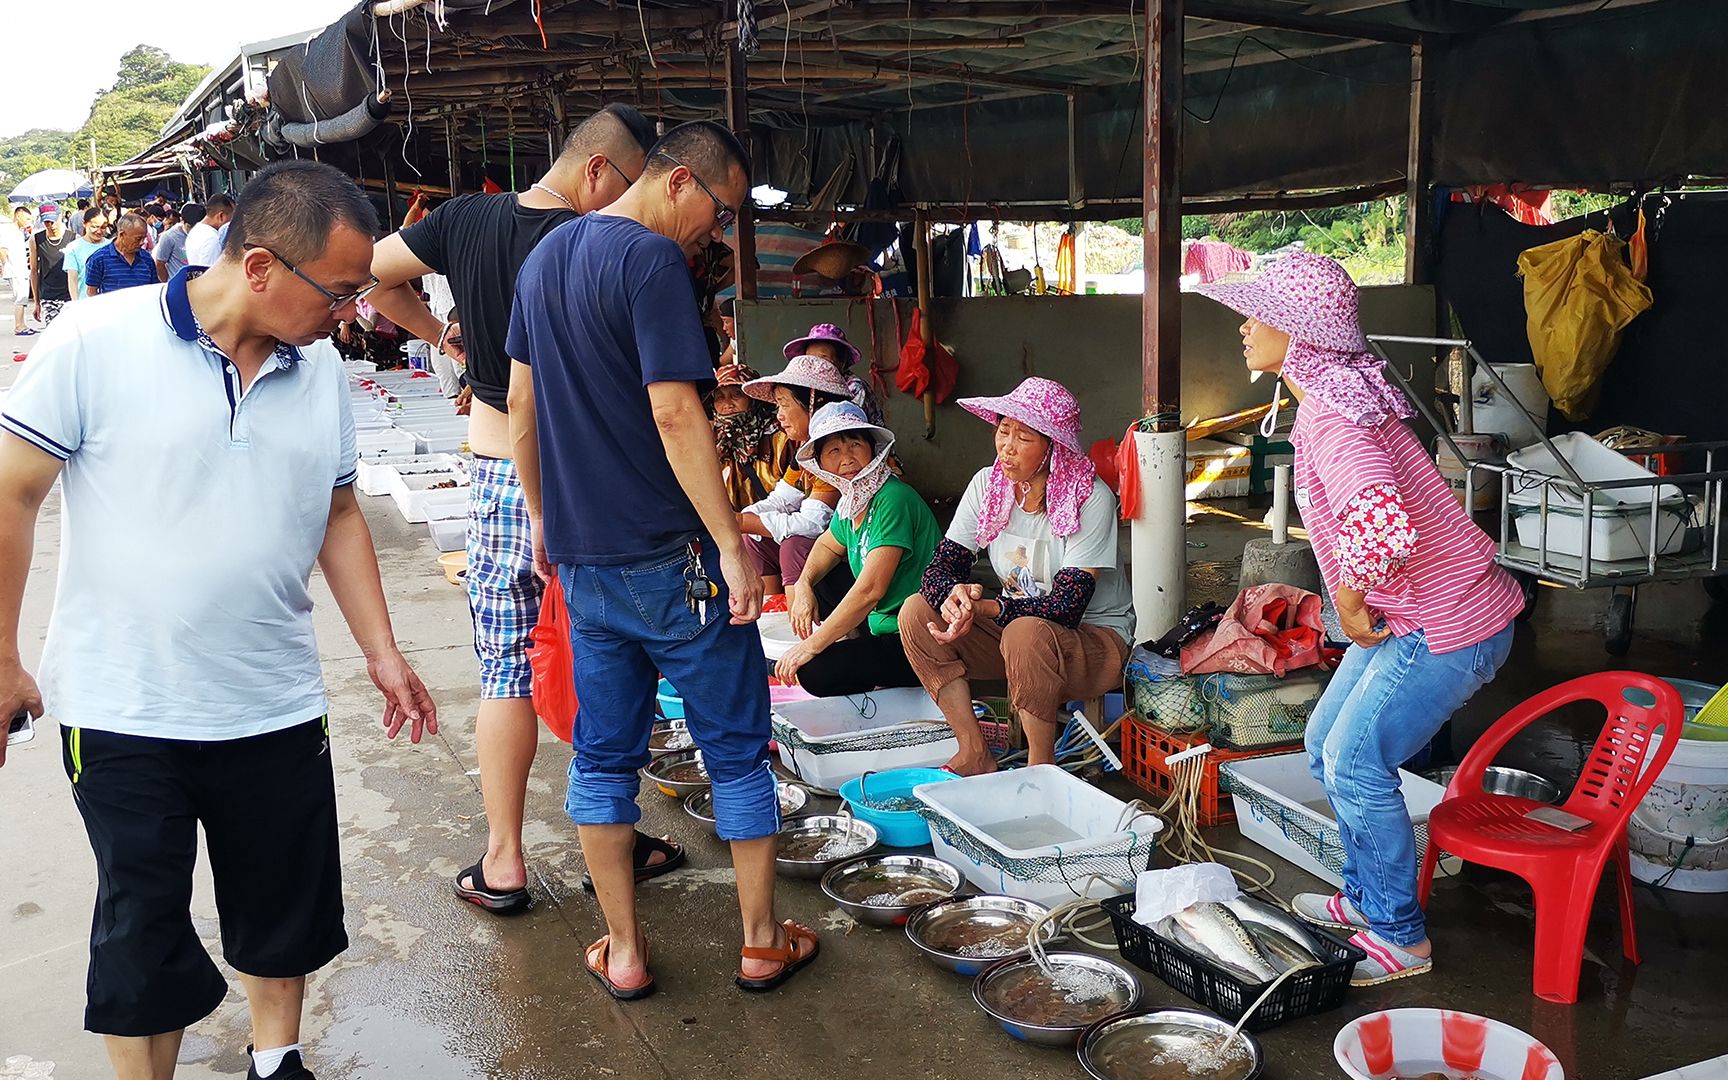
x=1285 y=955
x=1258 y=913
x=1221 y=936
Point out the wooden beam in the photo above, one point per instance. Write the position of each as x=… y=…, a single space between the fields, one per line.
x=584 y=18
x=1327 y=26
x=1418 y=172
x=1161 y=198
x=927 y=45
x=738 y=116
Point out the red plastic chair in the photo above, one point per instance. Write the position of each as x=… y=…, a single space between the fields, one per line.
x=1563 y=868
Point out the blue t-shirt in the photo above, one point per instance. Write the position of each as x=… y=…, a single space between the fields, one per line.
x=604 y=307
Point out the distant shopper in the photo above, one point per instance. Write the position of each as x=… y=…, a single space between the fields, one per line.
x=203 y=244
x=190 y=697
x=122 y=263
x=49 y=289
x=76 y=221
x=15 y=244
x=79 y=251
x=170 y=253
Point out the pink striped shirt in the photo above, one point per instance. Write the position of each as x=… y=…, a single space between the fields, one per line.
x=1450 y=587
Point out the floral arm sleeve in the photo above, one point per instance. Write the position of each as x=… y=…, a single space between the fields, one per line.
x=1375 y=538
x=951 y=565
x=1070 y=593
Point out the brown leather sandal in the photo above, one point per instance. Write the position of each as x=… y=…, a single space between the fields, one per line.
x=595 y=958
x=799 y=951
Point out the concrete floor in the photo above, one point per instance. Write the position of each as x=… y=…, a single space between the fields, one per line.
x=434 y=988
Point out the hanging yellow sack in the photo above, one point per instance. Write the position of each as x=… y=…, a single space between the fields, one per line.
x=1579 y=295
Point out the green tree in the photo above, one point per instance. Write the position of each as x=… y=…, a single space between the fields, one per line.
x=127 y=117
x=31 y=152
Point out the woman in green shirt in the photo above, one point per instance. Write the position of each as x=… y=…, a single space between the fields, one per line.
x=885 y=533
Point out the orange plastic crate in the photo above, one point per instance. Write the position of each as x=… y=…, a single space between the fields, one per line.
x=1144 y=748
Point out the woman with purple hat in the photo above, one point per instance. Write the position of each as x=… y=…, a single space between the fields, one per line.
x=1062 y=624
x=1417 y=589
x=829 y=342
x=884 y=533
x=780 y=529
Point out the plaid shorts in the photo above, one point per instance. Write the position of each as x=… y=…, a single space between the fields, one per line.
x=503 y=593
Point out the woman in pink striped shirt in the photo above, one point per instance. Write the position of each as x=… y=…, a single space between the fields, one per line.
x=1414 y=580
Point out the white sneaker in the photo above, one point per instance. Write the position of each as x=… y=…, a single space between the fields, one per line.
x=1334 y=912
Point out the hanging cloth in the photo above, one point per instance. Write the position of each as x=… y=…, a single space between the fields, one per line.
x=1067 y=273
x=922 y=370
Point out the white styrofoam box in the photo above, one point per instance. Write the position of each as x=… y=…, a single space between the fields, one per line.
x=382 y=475
x=449 y=534
x=384 y=443
x=409 y=473
x=1616 y=533
x=1040 y=813
x=828 y=741
x=441 y=442
x=359 y=367
x=1593 y=463
x=1280 y=806
x=1218 y=470
x=418 y=499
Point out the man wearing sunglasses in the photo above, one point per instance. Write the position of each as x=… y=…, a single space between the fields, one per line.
x=617 y=460
x=479 y=242
x=187 y=686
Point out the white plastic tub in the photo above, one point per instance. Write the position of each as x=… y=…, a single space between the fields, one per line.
x=1280 y=806
x=379 y=475
x=1679 y=832
x=419 y=498
x=1494 y=412
x=1039 y=833
x=384 y=443
x=1617 y=534
x=828 y=741
x=449 y=534
x=1620 y=517
x=777 y=635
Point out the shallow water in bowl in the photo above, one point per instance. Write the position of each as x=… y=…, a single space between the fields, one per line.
x=1171 y=1052
x=892 y=886
x=1077 y=997
x=978 y=934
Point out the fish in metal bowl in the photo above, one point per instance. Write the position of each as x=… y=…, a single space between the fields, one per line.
x=793 y=799
x=678 y=774
x=884 y=890
x=1053 y=1006
x=967 y=934
x=1169 y=1044
x=807 y=847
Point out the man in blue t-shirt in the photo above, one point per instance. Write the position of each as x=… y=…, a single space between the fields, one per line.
x=616 y=458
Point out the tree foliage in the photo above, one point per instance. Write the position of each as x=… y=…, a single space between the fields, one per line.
x=127 y=117
x=31 y=152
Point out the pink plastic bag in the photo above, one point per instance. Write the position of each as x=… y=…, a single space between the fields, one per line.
x=1271 y=629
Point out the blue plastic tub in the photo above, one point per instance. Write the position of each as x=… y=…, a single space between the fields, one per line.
x=898 y=828
x=671 y=705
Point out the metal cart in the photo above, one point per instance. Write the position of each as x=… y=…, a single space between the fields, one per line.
x=1685 y=511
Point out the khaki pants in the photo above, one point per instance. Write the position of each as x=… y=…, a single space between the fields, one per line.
x=1044 y=663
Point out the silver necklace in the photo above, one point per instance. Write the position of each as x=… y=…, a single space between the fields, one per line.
x=538 y=186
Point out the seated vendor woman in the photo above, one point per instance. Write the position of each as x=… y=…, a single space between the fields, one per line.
x=828 y=342
x=1427 y=609
x=754 y=453
x=780 y=528
x=1060 y=628
x=885 y=534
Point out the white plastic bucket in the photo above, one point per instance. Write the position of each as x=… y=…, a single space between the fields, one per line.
x=1493 y=411
x=1679 y=833
x=1488 y=447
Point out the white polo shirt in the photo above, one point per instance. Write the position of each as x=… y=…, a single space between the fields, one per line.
x=192 y=516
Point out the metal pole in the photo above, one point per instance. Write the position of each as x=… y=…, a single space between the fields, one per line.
x=738 y=115
x=1161 y=197
x=926 y=329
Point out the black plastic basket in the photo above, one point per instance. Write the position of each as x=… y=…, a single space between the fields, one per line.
x=1302 y=994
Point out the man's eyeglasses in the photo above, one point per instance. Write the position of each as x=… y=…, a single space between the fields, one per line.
x=622 y=175
x=337 y=300
x=724 y=215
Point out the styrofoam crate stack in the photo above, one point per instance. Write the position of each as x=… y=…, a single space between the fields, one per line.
x=419 y=497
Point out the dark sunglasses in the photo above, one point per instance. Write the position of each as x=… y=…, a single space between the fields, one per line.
x=337 y=300
x=724 y=215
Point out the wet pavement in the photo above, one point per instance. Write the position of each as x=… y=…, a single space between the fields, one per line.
x=433 y=988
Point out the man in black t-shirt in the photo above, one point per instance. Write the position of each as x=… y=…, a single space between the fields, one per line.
x=48 y=267
x=479 y=243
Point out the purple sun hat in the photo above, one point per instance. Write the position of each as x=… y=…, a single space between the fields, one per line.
x=825 y=332
x=1309 y=297
x=808 y=372
x=1041 y=404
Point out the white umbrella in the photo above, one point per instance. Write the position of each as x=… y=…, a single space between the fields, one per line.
x=51 y=184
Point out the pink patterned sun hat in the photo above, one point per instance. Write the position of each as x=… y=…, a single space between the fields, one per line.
x=808 y=372
x=1041 y=404
x=1309 y=297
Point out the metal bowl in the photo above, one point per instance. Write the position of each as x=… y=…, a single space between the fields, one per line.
x=1137 y=1040
x=990 y=913
x=830 y=826
x=793 y=799
x=1500 y=780
x=670 y=737
x=655 y=773
x=899 y=885
x=989 y=991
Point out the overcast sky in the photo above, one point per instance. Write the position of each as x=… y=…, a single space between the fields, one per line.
x=53 y=88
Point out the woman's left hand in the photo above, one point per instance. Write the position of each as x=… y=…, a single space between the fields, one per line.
x=803 y=611
x=1356 y=620
x=796 y=657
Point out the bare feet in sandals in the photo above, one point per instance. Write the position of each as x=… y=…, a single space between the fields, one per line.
x=621 y=968
x=762 y=969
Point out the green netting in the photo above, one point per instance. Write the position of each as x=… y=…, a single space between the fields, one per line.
x=885 y=739
x=1316 y=836
x=1119 y=861
x=1241 y=712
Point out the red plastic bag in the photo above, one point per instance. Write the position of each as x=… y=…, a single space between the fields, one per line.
x=553 y=665
x=1128 y=474
x=920 y=373
x=1271 y=629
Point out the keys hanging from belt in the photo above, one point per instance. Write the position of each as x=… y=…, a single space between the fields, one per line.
x=698 y=589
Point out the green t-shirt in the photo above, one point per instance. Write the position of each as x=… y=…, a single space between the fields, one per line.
x=898 y=517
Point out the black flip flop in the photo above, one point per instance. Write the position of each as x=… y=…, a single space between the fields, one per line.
x=646 y=847
x=483 y=896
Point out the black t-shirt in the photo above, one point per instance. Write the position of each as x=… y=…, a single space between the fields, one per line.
x=480 y=242
x=51 y=265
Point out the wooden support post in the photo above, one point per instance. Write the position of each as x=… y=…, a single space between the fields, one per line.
x=738 y=115
x=1418 y=175
x=1161 y=196
x=560 y=129
x=391 y=221
x=453 y=151
x=926 y=328
x=1076 y=177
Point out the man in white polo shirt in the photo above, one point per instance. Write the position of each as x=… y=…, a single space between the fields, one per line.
x=207 y=463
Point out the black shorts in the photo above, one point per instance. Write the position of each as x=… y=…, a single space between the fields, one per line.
x=268 y=807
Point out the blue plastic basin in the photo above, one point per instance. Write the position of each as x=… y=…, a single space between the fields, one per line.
x=671 y=705
x=898 y=828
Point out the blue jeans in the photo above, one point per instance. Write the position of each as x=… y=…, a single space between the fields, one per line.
x=1382 y=706
x=630 y=622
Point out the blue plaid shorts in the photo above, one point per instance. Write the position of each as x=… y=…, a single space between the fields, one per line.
x=503 y=593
